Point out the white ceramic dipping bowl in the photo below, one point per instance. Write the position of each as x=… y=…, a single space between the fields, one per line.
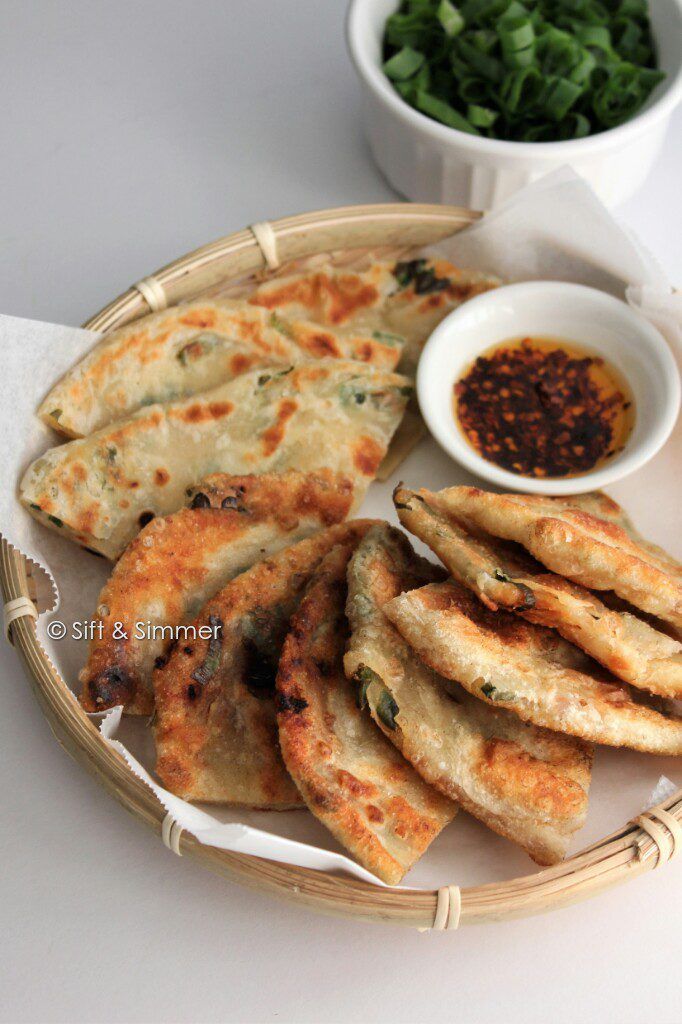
x=591 y=319
x=431 y=163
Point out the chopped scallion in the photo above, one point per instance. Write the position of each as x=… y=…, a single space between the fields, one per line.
x=532 y=71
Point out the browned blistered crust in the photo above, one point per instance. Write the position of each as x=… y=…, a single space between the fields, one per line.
x=178 y=561
x=587 y=540
x=404 y=298
x=215 y=727
x=332 y=413
x=192 y=348
x=334 y=298
x=527 y=783
x=352 y=779
x=502 y=575
x=532 y=671
x=283 y=498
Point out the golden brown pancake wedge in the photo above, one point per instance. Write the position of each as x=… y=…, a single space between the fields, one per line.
x=325 y=414
x=427 y=290
x=472 y=556
x=188 y=349
x=532 y=671
x=330 y=295
x=506 y=578
x=593 y=550
x=285 y=497
x=403 y=299
x=215 y=725
x=351 y=778
x=177 y=562
x=524 y=782
x=598 y=504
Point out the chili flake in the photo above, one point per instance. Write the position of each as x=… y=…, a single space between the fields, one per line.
x=541 y=408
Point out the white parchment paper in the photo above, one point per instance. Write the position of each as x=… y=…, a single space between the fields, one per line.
x=557 y=230
x=554 y=229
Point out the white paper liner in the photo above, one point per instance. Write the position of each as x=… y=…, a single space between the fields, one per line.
x=231 y=835
x=553 y=229
x=557 y=230
x=663 y=789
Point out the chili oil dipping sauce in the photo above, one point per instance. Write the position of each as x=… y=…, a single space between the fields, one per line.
x=543 y=407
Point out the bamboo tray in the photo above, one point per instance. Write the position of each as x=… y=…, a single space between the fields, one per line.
x=638 y=846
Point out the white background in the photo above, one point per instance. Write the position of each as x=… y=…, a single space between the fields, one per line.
x=131 y=133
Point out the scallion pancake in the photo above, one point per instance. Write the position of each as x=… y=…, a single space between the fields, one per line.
x=350 y=776
x=509 y=663
x=177 y=562
x=330 y=414
x=215 y=726
x=527 y=783
x=588 y=539
x=504 y=576
x=189 y=349
x=403 y=299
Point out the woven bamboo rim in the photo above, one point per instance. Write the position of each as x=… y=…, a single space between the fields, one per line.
x=632 y=850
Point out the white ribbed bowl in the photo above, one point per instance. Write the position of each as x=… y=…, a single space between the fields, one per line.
x=429 y=162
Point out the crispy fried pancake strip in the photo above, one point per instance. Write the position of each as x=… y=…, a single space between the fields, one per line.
x=352 y=779
x=530 y=670
x=178 y=562
x=215 y=726
x=567 y=536
x=527 y=783
x=625 y=644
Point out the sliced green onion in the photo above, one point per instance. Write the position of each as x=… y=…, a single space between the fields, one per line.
x=627 y=36
x=450 y=18
x=484 y=39
x=516 y=10
x=406 y=90
x=596 y=36
x=404 y=64
x=520 y=58
x=650 y=78
x=474 y=90
x=575 y=126
x=560 y=96
x=409 y=88
x=480 y=10
x=557 y=51
x=481 y=63
x=634 y=9
x=515 y=34
x=521 y=89
x=481 y=117
x=443 y=112
x=536 y=71
x=584 y=68
x=539 y=133
x=623 y=94
x=405 y=30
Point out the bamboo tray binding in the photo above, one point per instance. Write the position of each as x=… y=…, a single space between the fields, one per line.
x=640 y=845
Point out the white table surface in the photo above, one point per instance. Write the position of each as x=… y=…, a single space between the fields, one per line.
x=133 y=132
